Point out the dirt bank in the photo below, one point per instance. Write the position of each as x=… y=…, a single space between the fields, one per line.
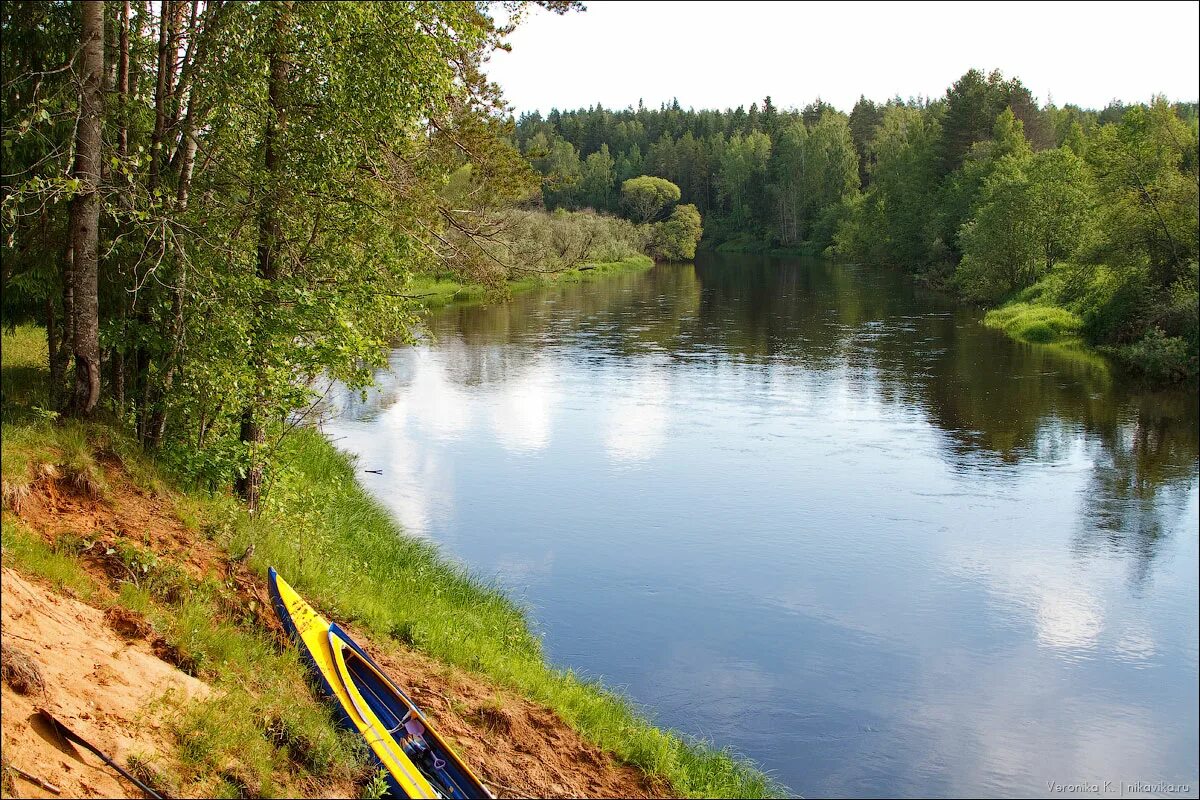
x=113 y=692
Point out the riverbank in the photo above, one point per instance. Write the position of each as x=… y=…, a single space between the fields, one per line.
x=435 y=291
x=1089 y=308
x=178 y=575
x=749 y=244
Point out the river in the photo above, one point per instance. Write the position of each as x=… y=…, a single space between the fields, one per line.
x=820 y=515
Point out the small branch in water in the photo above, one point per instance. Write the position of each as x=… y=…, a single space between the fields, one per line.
x=374 y=471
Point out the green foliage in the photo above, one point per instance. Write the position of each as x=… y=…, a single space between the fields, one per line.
x=26 y=366
x=812 y=171
x=1159 y=357
x=972 y=105
x=645 y=198
x=1145 y=168
x=981 y=191
x=596 y=183
x=1033 y=211
x=742 y=181
x=675 y=239
x=342 y=146
x=896 y=222
x=377 y=787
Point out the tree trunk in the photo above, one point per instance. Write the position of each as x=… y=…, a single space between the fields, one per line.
x=249 y=485
x=185 y=162
x=165 y=72
x=85 y=215
x=269 y=234
x=123 y=150
x=162 y=89
x=61 y=359
x=123 y=84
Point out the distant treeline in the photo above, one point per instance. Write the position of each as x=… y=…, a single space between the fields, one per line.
x=982 y=190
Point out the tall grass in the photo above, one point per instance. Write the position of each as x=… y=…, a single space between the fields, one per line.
x=1036 y=323
x=23 y=548
x=341 y=549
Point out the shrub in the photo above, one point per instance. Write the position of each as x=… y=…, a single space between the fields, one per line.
x=644 y=198
x=677 y=237
x=566 y=239
x=1159 y=358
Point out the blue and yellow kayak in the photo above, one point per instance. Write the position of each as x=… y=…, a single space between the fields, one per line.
x=417 y=761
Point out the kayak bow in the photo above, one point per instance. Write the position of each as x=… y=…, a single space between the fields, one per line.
x=418 y=761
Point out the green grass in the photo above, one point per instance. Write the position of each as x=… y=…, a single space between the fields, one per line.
x=752 y=244
x=263 y=732
x=1039 y=324
x=26 y=383
x=435 y=291
x=25 y=550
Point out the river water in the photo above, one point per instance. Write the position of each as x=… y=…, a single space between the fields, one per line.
x=819 y=515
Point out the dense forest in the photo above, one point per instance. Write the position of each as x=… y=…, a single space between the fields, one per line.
x=1084 y=220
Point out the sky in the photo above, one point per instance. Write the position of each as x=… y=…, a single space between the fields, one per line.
x=725 y=54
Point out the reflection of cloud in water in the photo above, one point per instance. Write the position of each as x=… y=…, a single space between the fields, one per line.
x=1068 y=618
x=638 y=417
x=988 y=728
x=418 y=479
x=1064 y=606
x=523 y=406
x=416 y=485
x=430 y=401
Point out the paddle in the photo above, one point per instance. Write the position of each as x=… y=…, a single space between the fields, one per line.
x=70 y=735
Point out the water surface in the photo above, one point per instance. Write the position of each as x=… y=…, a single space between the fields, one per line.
x=819 y=515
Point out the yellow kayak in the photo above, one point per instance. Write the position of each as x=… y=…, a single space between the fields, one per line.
x=418 y=762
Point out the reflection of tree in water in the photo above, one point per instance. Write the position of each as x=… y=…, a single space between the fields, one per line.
x=1143 y=470
x=623 y=314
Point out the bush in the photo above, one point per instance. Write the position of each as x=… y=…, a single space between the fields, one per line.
x=677 y=237
x=1111 y=302
x=645 y=197
x=567 y=239
x=978 y=281
x=1160 y=358
x=1108 y=301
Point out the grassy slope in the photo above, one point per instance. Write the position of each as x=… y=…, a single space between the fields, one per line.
x=1041 y=324
x=340 y=548
x=437 y=291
